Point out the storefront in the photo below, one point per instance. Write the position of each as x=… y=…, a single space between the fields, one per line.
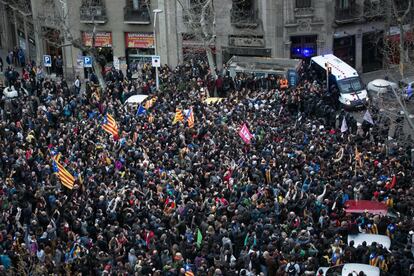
x=344 y=48
x=372 y=51
x=391 y=47
x=103 y=43
x=139 y=48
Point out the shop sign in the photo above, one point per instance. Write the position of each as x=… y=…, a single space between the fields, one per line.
x=102 y=39
x=139 y=40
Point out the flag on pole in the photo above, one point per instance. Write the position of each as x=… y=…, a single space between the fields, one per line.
x=344 y=126
x=199 y=238
x=268 y=176
x=358 y=157
x=55 y=154
x=141 y=110
x=179 y=116
x=245 y=134
x=150 y=118
x=190 y=118
x=150 y=103
x=109 y=125
x=391 y=185
x=368 y=118
x=65 y=177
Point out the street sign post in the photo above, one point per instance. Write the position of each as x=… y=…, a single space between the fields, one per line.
x=156 y=62
x=87 y=61
x=47 y=61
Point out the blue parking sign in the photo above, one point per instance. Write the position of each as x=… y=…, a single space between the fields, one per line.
x=47 y=61
x=87 y=61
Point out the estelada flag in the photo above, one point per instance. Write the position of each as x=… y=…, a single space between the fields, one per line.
x=245 y=134
x=179 y=116
x=190 y=118
x=109 y=125
x=65 y=177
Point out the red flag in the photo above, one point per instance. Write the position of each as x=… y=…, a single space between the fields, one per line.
x=148 y=236
x=245 y=134
x=391 y=185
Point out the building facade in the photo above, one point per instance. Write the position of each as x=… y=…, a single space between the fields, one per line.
x=123 y=30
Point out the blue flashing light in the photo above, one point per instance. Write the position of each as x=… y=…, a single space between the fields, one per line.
x=307 y=52
x=304 y=52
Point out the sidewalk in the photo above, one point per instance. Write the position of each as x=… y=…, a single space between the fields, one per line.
x=3 y=55
x=392 y=73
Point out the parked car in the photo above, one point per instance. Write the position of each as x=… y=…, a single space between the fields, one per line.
x=407 y=88
x=346 y=269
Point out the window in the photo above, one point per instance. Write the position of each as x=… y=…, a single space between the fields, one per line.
x=300 y=4
x=137 y=5
x=343 y=4
x=350 y=85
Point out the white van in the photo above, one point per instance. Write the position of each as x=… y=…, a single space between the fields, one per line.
x=352 y=92
x=353 y=268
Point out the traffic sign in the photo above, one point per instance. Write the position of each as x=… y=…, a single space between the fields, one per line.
x=156 y=61
x=47 y=61
x=87 y=61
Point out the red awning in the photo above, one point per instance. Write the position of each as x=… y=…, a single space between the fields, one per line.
x=408 y=37
x=362 y=206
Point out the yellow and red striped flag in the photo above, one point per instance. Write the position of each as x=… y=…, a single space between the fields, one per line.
x=190 y=119
x=179 y=116
x=150 y=103
x=65 y=177
x=109 y=125
x=150 y=119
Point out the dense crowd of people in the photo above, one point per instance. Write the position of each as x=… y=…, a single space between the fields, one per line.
x=166 y=199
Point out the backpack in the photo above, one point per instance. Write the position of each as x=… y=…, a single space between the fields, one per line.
x=291 y=269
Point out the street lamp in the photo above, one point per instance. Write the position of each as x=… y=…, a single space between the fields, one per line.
x=156 y=11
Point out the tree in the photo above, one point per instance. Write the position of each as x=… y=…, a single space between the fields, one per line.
x=200 y=19
x=61 y=20
x=400 y=18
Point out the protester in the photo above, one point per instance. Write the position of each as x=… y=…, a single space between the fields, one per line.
x=157 y=198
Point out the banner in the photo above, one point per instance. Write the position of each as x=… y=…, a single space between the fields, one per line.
x=245 y=134
x=139 y=40
x=102 y=39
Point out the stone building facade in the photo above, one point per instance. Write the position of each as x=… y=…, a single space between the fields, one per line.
x=124 y=29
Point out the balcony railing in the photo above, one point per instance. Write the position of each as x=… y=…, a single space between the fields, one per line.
x=374 y=9
x=348 y=15
x=244 y=18
x=93 y=14
x=140 y=16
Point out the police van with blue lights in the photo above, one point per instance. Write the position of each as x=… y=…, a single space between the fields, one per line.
x=345 y=79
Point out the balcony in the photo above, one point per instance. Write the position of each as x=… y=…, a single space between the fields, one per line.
x=244 y=18
x=348 y=15
x=374 y=9
x=93 y=14
x=139 y=16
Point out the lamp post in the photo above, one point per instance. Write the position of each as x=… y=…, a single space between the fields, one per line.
x=156 y=11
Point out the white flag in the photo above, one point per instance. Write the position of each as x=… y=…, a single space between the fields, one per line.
x=368 y=118
x=344 y=126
